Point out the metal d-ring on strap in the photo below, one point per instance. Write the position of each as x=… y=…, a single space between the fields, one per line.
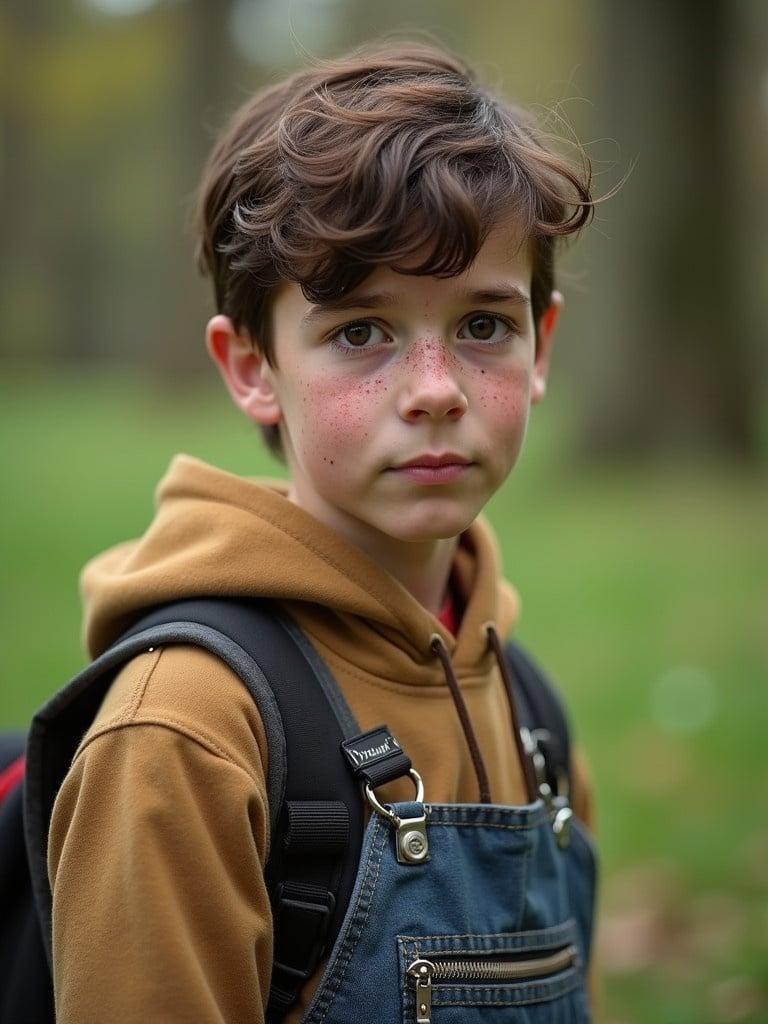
x=385 y=810
x=558 y=808
x=412 y=844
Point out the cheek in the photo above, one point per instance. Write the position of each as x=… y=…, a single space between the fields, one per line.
x=337 y=415
x=502 y=398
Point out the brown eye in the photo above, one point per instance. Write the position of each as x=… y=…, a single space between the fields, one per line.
x=357 y=334
x=360 y=336
x=482 y=327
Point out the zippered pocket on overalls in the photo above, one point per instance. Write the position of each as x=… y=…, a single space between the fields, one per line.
x=425 y=973
x=493 y=971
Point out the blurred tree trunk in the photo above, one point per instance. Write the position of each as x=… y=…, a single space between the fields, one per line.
x=673 y=368
x=23 y=328
x=202 y=98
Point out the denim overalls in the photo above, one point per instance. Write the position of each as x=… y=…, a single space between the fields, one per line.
x=464 y=913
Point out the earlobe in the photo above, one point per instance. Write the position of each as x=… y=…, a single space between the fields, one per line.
x=546 y=330
x=244 y=369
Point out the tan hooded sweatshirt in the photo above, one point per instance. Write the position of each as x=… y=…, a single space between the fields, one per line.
x=161 y=829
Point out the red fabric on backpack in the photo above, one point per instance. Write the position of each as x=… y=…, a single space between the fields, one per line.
x=11 y=777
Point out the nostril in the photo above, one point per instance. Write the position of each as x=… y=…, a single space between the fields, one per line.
x=435 y=409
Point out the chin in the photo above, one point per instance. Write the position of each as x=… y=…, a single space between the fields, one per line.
x=419 y=529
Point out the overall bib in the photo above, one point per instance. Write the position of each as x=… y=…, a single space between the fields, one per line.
x=464 y=913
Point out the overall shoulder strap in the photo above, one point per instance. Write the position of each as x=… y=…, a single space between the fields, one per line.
x=542 y=710
x=315 y=808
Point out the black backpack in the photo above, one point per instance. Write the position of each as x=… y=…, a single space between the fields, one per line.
x=316 y=809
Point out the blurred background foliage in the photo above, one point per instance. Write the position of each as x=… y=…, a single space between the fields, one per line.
x=634 y=526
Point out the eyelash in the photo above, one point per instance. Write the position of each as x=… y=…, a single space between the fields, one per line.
x=350 y=350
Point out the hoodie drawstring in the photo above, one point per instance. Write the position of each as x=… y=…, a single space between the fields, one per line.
x=439 y=648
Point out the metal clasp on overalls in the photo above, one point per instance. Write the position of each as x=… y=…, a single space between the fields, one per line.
x=558 y=808
x=411 y=842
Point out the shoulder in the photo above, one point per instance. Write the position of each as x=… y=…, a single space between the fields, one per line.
x=176 y=754
x=190 y=692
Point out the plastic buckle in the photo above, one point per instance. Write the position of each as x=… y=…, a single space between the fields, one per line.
x=325 y=910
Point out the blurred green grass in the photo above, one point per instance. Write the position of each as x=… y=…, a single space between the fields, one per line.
x=643 y=593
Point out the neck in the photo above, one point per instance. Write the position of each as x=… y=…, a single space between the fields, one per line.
x=422 y=567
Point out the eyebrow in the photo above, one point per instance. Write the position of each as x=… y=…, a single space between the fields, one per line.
x=506 y=293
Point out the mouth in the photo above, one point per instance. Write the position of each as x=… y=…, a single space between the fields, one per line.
x=434 y=461
x=434 y=469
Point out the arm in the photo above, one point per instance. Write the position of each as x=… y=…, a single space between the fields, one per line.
x=156 y=857
x=583 y=790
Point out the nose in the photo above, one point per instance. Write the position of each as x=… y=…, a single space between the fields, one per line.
x=431 y=387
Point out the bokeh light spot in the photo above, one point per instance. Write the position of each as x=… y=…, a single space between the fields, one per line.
x=683 y=700
x=120 y=8
x=274 y=33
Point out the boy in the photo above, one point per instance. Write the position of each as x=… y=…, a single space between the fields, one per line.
x=380 y=233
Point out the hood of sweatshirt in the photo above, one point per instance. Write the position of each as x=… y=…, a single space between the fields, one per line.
x=218 y=534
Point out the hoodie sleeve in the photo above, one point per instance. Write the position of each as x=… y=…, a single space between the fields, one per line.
x=157 y=846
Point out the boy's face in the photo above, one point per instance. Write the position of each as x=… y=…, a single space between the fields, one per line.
x=435 y=373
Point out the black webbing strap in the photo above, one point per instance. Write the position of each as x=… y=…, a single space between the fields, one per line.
x=541 y=709
x=318 y=828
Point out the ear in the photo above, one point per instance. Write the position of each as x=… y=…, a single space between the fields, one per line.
x=547 y=323
x=245 y=371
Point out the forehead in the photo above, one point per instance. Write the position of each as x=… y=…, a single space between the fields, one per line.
x=506 y=249
x=504 y=261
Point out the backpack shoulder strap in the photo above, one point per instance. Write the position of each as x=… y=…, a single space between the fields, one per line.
x=315 y=807
x=543 y=712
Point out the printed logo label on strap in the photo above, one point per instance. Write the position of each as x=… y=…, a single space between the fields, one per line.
x=373 y=748
x=369 y=748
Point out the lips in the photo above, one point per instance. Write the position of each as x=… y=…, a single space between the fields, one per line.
x=432 y=470
x=435 y=461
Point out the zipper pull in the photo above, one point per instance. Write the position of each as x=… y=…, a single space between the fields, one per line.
x=422 y=971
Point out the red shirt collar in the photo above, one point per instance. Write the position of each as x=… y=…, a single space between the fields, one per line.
x=448 y=615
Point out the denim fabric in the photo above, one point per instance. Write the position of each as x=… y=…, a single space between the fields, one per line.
x=496 y=884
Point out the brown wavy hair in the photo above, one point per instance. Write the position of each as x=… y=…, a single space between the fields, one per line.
x=367 y=160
